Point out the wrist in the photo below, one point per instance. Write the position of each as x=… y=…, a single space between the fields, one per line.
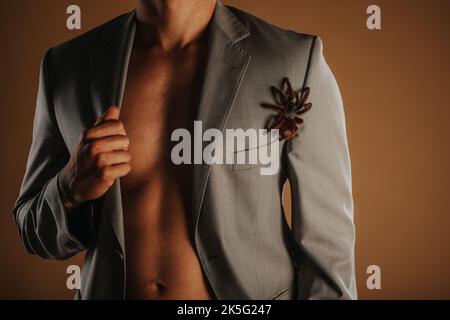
x=67 y=197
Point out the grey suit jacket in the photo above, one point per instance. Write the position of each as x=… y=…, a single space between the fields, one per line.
x=244 y=243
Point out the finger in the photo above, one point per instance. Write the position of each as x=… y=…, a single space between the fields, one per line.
x=105 y=129
x=115 y=171
x=111 y=158
x=112 y=113
x=107 y=144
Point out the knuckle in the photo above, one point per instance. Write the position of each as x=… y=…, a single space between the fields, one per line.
x=115 y=125
x=92 y=148
x=126 y=141
x=100 y=160
x=119 y=126
x=86 y=134
x=105 y=174
x=126 y=168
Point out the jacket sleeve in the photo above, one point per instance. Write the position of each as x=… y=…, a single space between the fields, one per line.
x=45 y=228
x=319 y=172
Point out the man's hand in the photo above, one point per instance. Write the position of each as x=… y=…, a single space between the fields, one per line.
x=99 y=158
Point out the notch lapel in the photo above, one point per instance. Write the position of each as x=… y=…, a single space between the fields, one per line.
x=108 y=71
x=226 y=67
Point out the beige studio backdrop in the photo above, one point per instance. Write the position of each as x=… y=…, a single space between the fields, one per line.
x=395 y=86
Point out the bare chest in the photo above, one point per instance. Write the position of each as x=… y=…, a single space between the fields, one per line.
x=161 y=95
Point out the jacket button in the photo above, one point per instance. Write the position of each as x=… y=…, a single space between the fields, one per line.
x=70 y=244
x=120 y=254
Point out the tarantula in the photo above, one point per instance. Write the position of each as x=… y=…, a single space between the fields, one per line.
x=289 y=105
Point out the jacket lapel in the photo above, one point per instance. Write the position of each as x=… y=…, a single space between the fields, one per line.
x=108 y=71
x=226 y=67
x=109 y=63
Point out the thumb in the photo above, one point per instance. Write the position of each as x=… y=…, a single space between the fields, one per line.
x=112 y=113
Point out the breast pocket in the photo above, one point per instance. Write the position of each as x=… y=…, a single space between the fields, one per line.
x=245 y=166
x=254 y=158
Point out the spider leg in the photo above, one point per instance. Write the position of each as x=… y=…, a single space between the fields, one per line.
x=288 y=130
x=272 y=121
x=305 y=95
x=279 y=96
x=296 y=99
x=298 y=120
x=292 y=129
x=292 y=134
x=289 y=89
x=304 y=108
x=284 y=85
x=278 y=124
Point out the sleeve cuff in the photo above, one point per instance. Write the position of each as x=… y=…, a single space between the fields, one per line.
x=54 y=198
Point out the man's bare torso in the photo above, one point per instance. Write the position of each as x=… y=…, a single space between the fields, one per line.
x=161 y=95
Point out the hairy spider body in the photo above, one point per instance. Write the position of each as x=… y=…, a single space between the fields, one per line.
x=289 y=105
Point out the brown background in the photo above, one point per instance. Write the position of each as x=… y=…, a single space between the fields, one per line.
x=395 y=85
